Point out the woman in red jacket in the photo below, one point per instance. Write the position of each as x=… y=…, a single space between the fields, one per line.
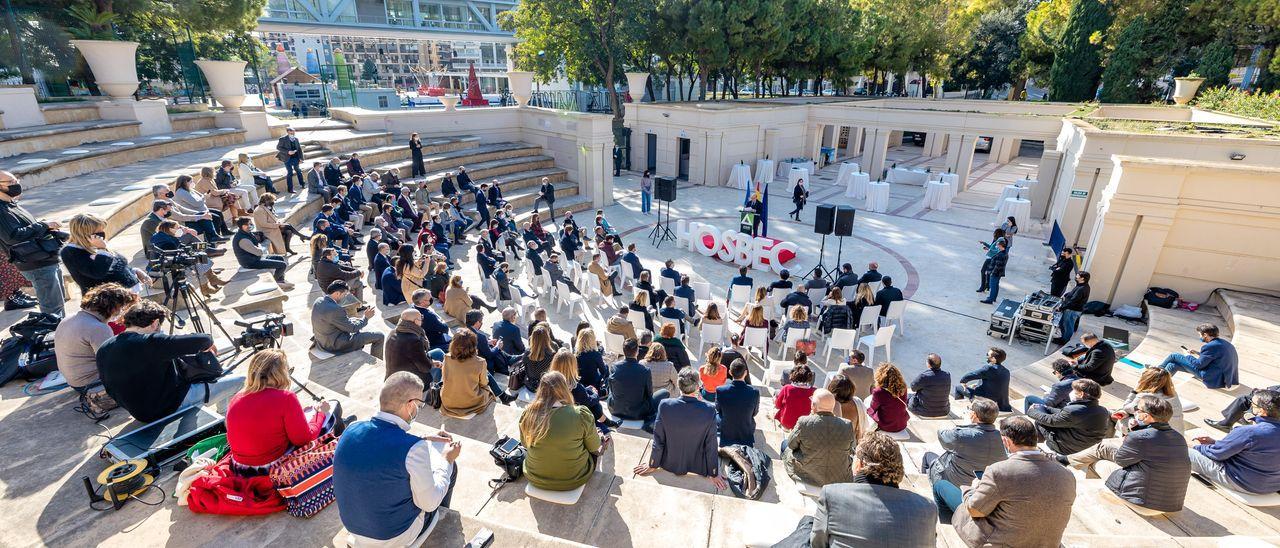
x=792 y=401
x=265 y=419
x=888 y=407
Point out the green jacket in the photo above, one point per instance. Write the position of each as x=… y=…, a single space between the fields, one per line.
x=563 y=460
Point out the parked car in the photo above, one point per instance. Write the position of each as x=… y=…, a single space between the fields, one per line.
x=983 y=145
x=914 y=137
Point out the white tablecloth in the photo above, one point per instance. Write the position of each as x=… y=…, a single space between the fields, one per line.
x=1010 y=191
x=856 y=187
x=1018 y=208
x=878 y=197
x=846 y=169
x=740 y=176
x=764 y=170
x=953 y=180
x=907 y=176
x=795 y=174
x=784 y=167
x=937 y=195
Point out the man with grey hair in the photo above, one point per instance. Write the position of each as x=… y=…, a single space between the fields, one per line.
x=646 y=338
x=507 y=332
x=1149 y=467
x=202 y=223
x=819 y=450
x=684 y=434
x=390 y=484
x=969 y=448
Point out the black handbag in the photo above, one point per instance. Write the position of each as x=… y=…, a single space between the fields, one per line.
x=41 y=248
x=432 y=395
x=201 y=368
x=509 y=455
x=515 y=380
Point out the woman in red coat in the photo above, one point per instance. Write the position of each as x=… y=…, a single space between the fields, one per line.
x=265 y=419
x=792 y=402
x=888 y=407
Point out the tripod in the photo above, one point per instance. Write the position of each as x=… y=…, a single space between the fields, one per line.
x=176 y=285
x=821 y=269
x=662 y=229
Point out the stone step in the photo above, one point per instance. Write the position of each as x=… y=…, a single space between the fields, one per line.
x=516 y=186
x=191 y=121
x=70 y=111
x=482 y=172
x=54 y=138
x=40 y=168
x=438 y=164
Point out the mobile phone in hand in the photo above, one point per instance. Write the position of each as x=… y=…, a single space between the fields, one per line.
x=1184 y=347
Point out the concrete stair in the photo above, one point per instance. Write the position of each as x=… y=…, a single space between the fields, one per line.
x=53 y=138
x=73 y=111
x=191 y=121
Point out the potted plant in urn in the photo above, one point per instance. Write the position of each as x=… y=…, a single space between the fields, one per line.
x=450 y=101
x=521 y=84
x=114 y=62
x=635 y=85
x=226 y=81
x=1185 y=87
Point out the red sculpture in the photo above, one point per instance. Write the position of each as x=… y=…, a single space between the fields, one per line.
x=473 y=98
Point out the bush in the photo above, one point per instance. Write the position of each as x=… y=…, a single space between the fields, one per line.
x=1234 y=101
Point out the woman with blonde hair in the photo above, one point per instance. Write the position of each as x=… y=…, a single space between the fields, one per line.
x=1156 y=382
x=888 y=407
x=278 y=232
x=640 y=303
x=661 y=370
x=761 y=297
x=217 y=198
x=252 y=177
x=537 y=358
x=89 y=262
x=862 y=299
x=592 y=370
x=560 y=438
x=712 y=373
x=457 y=302
x=265 y=419
x=752 y=318
x=565 y=363
x=468 y=386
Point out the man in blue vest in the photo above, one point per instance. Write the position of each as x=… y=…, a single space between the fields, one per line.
x=390 y=484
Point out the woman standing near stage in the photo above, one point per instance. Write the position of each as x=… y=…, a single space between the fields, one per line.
x=799 y=195
x=1010 y=227
x=646 y=192
x=415 y=148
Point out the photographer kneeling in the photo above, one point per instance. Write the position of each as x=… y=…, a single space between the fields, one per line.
x=338 y=333
x=169 y=237
x=144 y=369
x=251 y=252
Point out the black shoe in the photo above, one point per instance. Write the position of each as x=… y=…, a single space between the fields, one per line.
x=648 y=426
x=981 y=290
x=17 y=302
x=612 y=423
x=1220 y=425
x=506 y=398
x=1062 y=459
x=984 y=301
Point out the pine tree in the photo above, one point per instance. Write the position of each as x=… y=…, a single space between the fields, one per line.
x=1077 y=59
x=1120 y=79
x=1215 y=64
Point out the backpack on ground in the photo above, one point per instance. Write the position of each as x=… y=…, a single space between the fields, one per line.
x=1162 y=297
x=1097 y=308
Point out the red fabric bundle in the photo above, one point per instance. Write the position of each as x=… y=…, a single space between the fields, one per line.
x=218 y=490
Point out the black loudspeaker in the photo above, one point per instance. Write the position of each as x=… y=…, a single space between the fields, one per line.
x=664 y=189
x=844 y=220
x=825 y=219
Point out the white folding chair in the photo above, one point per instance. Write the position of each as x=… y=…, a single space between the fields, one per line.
x=613 y=343
x=565 y=295
x=894 y=315
x=841 y=339
x=710 y=334
x=682 y=304
x=772 y=309
x=739 y=296
x=490 y=288
x=870 y=316
x=637 y=319
x=624 y=271
x=816 y=294
x=757 y=337
x=882 y=337
x=668 y=285
x=701 y=291
x=793 y=335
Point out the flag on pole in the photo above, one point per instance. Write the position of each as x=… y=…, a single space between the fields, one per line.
x=1057 y=240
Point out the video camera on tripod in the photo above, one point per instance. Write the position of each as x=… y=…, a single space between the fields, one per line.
x=264 y=332
x=186 y=256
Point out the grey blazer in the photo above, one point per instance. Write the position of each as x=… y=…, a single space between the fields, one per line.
x=334 y=331
x=969 y=447
x=820 y=450
x=873 y=516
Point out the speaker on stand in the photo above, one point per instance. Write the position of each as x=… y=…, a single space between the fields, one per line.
x=664 y=189
x=823 y=223
x=843 y=227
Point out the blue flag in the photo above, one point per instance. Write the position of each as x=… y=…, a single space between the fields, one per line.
x=1057 y=240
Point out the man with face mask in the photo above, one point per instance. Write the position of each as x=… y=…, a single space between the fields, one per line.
x=1060 y=272
x=1073 y=307
x=1077 y=425
x=251 y=252
x=32 y=245
x=1216 y=364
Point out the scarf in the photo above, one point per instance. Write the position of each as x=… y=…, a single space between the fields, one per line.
x=406 y=326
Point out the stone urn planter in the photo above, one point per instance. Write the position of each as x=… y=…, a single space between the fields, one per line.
x=114 y=64
x=1185 y=88
x=226 y=82
x=635 y=85
x=521 y=83
x=450 y=102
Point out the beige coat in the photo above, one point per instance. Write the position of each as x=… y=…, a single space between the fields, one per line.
x=457 y=302
x=269 y=224
x=606 y=285
x=410 y=281
x=466 y=387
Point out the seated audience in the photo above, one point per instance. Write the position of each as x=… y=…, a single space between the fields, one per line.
x=1155 y=382
x=684 y=435
x=888 y=405
x=930 y=390
x=737 y=403
x=436 y=331
x=265 y=419
x=872 y=510
x=1235 y=411
x=665 y=374
x=592 y=370
x=278 y=232
x=457 y=302
x=1215 y=364
x=793 y=400
x=631 y=393
x=992 y=381
x=77 y=339
x=1024 y=500
x=507 y=333
x=887 y=295
x=469 y=387
x=1059 y=393
x=560 y=438
x=496 y=360
x=863 y=297
x=389 y=484
x=137 y=366
x=968 y=448
x=835 y=313
x=783 y=282
x=1248 y=458
x=1076 y=426
x=338 y=333
x=90 y=263
x=1149 y=467
x=251 y=252
x=672 y=314
x=676 y=352
x=565 y=363
x=329 y=269
x=863 y=377
x=712 y=373
x=619 y=324
x=537 y=360
x=1098 y=361
x=872 y=275
x=848 y=406
x=741 y=282
x=819 y=450
x=407 y=349
x=754 y=319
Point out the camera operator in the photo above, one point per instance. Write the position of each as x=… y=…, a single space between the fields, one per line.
x=90 y=263
x=142 y=369
x=330 y=269
x=170 y=236
x=251 y=252
x=32 y=245
x=160 y=210
x=334 y=331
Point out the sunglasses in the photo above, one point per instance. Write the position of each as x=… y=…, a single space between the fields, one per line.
x=102 y=235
